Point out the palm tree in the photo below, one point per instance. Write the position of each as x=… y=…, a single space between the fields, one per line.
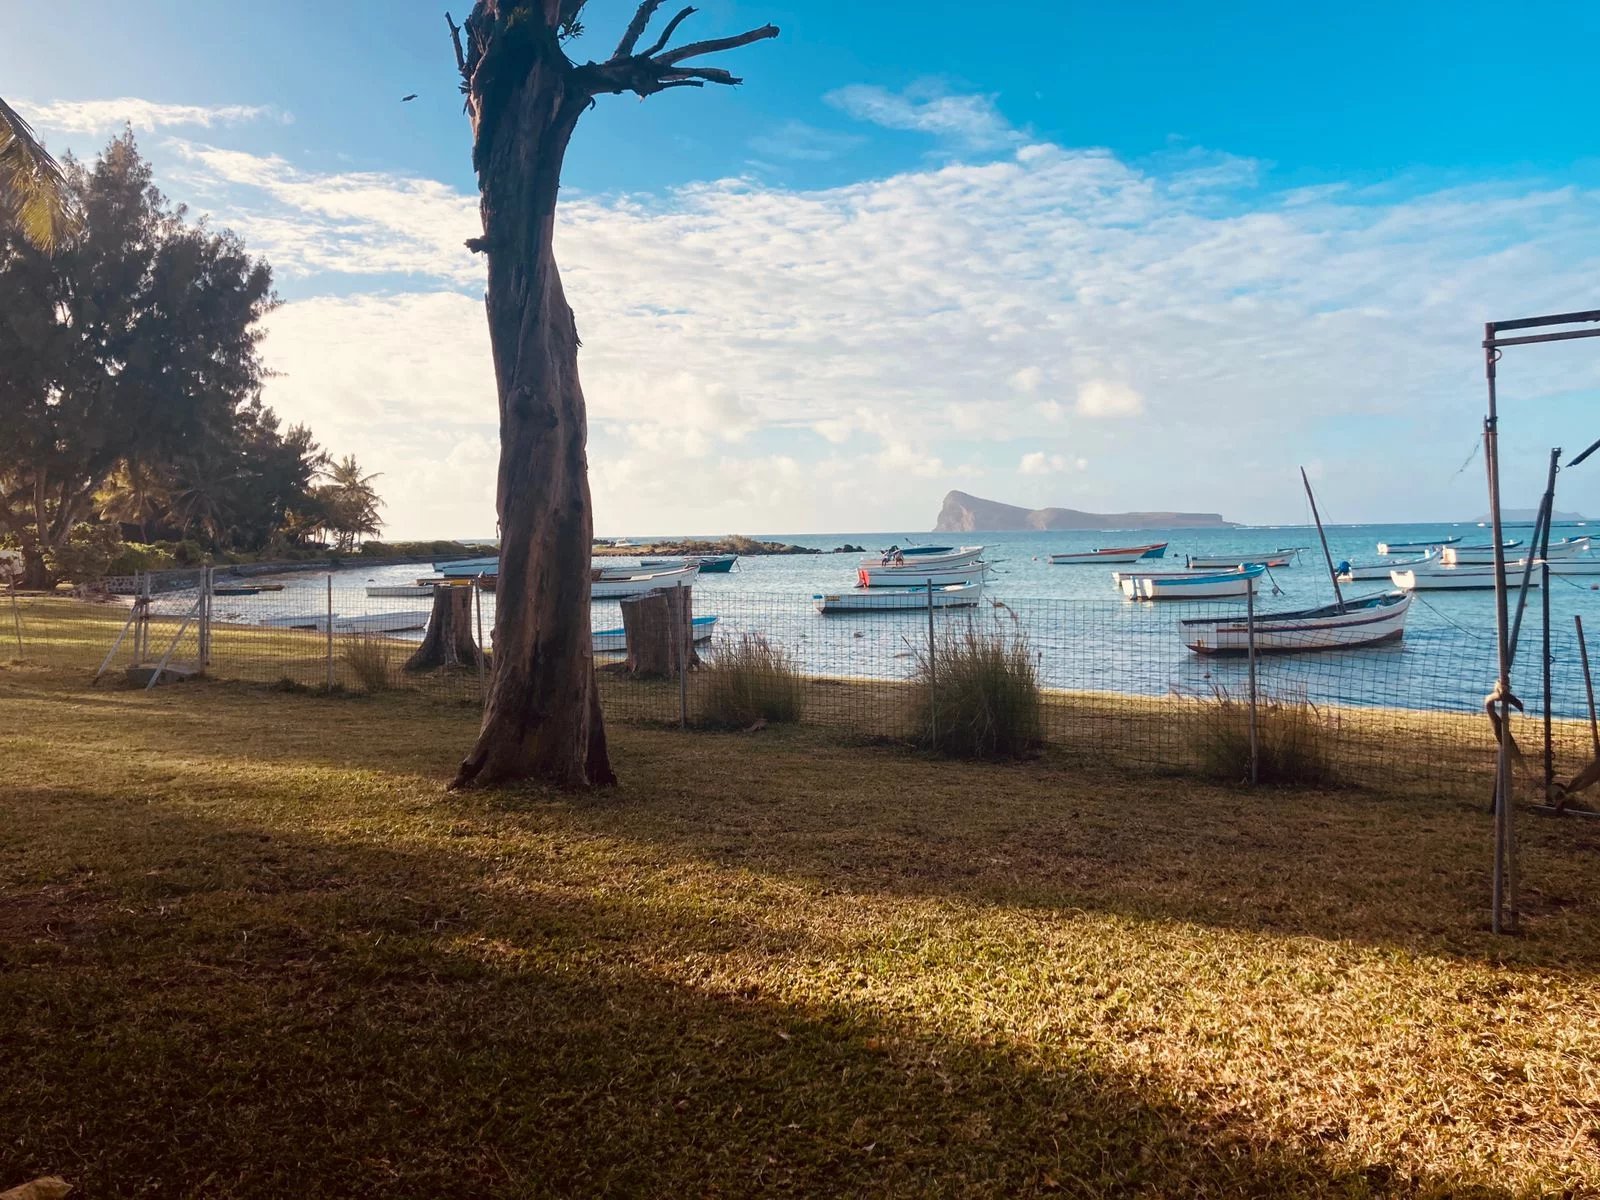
x=133 y=496
x=350 y=502
x=32 y=189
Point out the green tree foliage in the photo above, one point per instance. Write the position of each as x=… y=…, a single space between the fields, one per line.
x=130 y=380
x=33 y=192
x=348 y=503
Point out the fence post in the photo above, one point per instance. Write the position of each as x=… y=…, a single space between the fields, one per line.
x=483 y=683
x=684 y=630
x=16 y=615
x=141 y=630
x=1588 y=683
x=1250 y=649
x=933 y=687
x=330 y=634
x=207 y=586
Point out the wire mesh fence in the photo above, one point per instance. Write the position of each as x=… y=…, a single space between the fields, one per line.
x=1118 y=683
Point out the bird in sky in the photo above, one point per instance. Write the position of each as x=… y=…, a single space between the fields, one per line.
x=403 y=99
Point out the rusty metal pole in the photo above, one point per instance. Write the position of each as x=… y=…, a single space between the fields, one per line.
x=1502 y=917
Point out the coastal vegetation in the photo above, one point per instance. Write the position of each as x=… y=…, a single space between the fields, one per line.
x=748 y=680
x=130 y=394
x=782 y=965
x=975 y=693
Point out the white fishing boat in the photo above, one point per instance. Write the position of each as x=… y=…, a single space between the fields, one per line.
x=608 y=641
x=1455 y=579
x=1368 y=621
x=890 y=599
x=389 y=591
x=1474 y=556
x=468 y=567
x=640 y=582
x=1114 y=554
x=1576 y=567
x=1283 y=556
x=389 y=622
x=1413 y=547
x=920 y=558
x=1349 y=572
x=1569 y=547
x=1189 y=585
x=937 y=574
x=629 y=570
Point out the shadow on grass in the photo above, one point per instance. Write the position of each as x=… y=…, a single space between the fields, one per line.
x=196 y=1006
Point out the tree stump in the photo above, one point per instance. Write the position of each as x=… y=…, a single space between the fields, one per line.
x=449 y=641
x=658 y=627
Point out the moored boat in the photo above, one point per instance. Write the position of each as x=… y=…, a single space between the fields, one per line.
x=709 y=564
x=397 y=590
x=920 y=558
x=1455 y=579
x=395 y=622
x=1189 y=585
x=1474 y=556
x=233 y=589
x=1367 y=621
x=1348 y=572
x=1569 y=547
x=1283 y=556
x=1113 y=554
x=1413 y=547
x=607 y=641
x=890 y=599
x=465 y=567
x=938 y=574
x=1575 y=566
x=641 y=582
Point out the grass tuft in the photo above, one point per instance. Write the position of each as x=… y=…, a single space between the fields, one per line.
x=977 y=695
x=371 y=660
x=1294 y=740
x=748 y=680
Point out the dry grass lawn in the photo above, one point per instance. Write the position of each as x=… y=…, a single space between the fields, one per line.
x=249 y=948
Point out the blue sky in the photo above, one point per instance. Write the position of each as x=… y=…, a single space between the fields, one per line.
x=1109 y=256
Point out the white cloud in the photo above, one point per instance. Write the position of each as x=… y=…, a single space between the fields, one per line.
x=927 y=106
x=102 y=116
x=1039 y=463
x=839 y=357
x=1104 y=398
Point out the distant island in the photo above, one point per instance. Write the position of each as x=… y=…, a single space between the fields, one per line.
x=1529 y=515
x=962 y=513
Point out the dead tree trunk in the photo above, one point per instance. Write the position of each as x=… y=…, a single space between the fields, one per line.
x=542 y=717
x=646 y=626
x=448 y=641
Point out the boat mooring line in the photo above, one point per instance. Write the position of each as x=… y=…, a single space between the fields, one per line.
x=1459 y=628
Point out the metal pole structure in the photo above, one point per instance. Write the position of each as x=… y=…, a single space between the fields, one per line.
x=933 y=688
x=1250 y=642
x=1588 y=684
x=330 y=634
x=477 y=598
x=681 y=641
x=207 y=585
x=1503 y=832
x=1544 y=600
x=141 y=631
x=1338 y=596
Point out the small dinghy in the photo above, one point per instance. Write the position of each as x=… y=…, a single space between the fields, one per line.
x=611 y=641
x=920 y=558
x=639 y=582
x=1283 y=556
x=1189 y=585
x=413 y=591
x=1349 y=572
x=1368 y=621
x=1474 y=556
x=1114 y=554
x=1414 y=547
x=920 y=576
x=1456 y=579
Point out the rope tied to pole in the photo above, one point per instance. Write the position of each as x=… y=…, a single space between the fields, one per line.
x=1491 y=706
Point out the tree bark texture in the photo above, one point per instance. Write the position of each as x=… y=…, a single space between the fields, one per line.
x=542 y=717
x=448 y=641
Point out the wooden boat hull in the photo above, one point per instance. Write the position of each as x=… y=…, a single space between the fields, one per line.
x=921 y=562
x=709 y=564
x=1474 y=556
x=1578 y=567
x=1119 y=554
x=1413 y=547
x=920 y=576
x=400 y=590
x=1358 y=572
x=1370 y=621
x=1282 y=557
x=465 y=568
x=1190 y=585
x=899 y=599
x=396 y=622
x=1458 y=579
x=611 y=641
x=642 y=582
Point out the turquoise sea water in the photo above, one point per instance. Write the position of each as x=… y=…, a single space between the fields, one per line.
x=1086 y=635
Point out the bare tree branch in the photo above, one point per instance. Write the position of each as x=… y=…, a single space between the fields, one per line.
x=666 y=33
x=715 y=45
x=636 y=28
x=672 y=83
x=455 y=38
x=709 y=74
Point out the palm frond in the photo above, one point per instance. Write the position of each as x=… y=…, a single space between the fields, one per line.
x=32 y=187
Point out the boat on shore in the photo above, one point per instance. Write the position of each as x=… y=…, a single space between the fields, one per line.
x=395 y=622
x=1348 y=572
x=640 y=582
x=1112 y=554
x=610 y=641
x=466 y=567
x=1283 y=556
x=937 y=574
x=1474 y=556
x=389 y=591
x=1413 y=547
x=1456 y=579
x=1189 y=585
x=892 y=599
x=1368 y=621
